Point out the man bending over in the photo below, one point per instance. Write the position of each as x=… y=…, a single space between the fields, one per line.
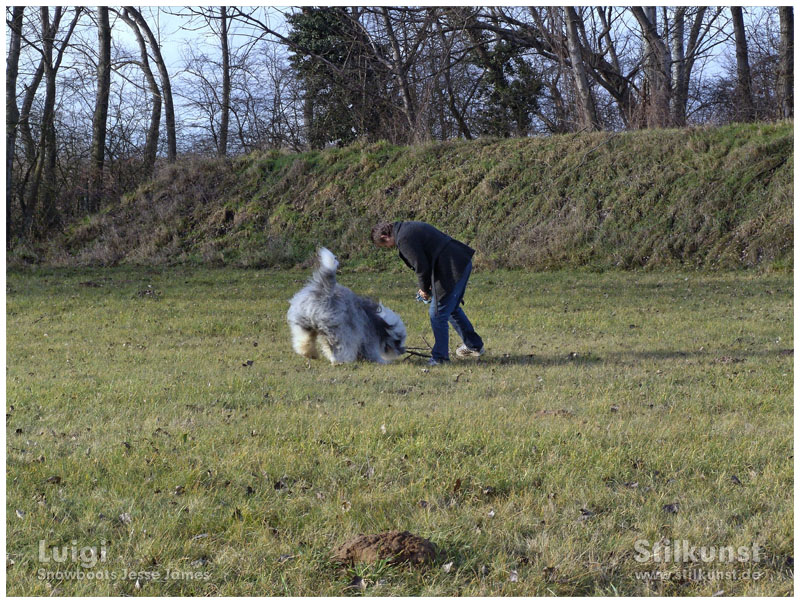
x=443 y=266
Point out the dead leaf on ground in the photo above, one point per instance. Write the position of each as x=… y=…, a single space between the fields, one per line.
x=553 y=412
x=672 y=507
x=728 y=360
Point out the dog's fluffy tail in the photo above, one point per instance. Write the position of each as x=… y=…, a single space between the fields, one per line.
x=325 y=274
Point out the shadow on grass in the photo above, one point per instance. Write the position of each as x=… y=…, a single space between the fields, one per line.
x=626 y=357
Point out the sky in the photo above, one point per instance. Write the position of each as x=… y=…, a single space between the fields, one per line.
x=175 y=33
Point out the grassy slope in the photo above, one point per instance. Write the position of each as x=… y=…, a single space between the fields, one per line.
x=618 y=393
x=712 y=197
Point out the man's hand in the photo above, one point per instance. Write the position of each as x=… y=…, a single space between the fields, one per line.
x=423 y=295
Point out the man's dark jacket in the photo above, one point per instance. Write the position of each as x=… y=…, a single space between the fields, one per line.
x=438 y=260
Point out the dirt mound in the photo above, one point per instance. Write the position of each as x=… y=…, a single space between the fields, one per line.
x=395 y=546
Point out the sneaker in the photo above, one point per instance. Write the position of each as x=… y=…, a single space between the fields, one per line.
x=466 y=352
x=436 y=362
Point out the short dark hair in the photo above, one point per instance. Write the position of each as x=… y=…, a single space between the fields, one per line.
x=382 y=229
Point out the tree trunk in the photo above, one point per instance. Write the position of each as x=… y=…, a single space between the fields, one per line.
x=49 y=211
x=786 y=74
x=226 y=84
x=166 y=88
x=678 y=104
x=28 y=144
x=151 y=142
x=658 y=61
x=100 y=108
x=693 y=44
x=744 y=95
x=42 y=174
x=586 y=106
x=12 y=113
x=611 y=77
x=42 y=190
x=308 y=117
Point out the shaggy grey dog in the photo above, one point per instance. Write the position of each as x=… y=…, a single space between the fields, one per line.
x=347 y=326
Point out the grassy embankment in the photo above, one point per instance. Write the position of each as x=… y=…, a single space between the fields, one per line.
x=706 y=197
x=135 y=420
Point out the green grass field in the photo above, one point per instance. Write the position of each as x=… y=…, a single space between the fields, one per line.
x=161 y=415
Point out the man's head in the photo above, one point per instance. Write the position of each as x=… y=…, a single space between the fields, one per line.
x=383 y=234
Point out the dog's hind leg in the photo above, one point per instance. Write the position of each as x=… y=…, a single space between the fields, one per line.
x=304 y=341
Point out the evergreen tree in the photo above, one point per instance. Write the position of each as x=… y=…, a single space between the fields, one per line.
x=509 y=90
x=342 y=84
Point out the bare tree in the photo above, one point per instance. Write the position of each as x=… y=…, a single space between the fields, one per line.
x=226 y=82
x=219 y=21
x=657 y=61
x=668 y=67
x=585 y=101
x=166 y=87
x=786 y=73
x=12 y=112
x=743 y=86
x=541 y=30
x=401 y=62
x=101 y=108
x=699 y=43
x=25 y=131
x=42 y=189
x=151 y=140
x=452 y=103
x=677 y=37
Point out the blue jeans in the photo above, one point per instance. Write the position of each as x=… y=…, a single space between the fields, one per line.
x=448 y=309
